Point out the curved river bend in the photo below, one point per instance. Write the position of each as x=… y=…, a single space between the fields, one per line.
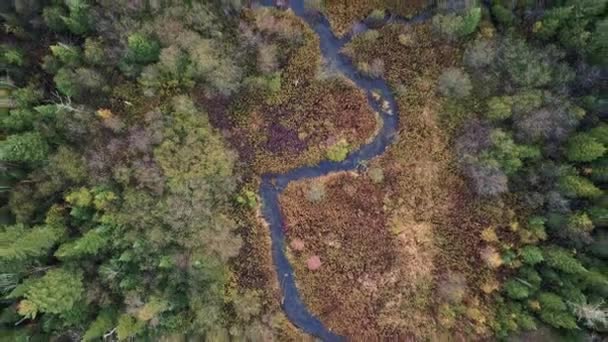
x=273 y=184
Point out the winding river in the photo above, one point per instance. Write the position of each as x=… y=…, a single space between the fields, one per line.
x=273 y=184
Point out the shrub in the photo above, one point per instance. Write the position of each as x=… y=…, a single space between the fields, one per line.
x=316 y=192
x=338 y=151
x=376 y=174
x=453 y=82
x=583 y=147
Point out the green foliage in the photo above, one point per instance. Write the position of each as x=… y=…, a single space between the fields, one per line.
x=503 y=15
x=247 y=198
x=68 y=55
x=22 y=244
x=78 y=21
x=455 y=26
x=56 y=292
x=531 y=255
x=53 y=18
x=128 y=326
x=142 y=49
x=527 y=66
x=579 y=223
x=562 y=260
x=11 y=56
x=598 y=47
x=554 y=311
x=88 y=245
x=65 y=82
x=338 y=151
x=25 y=147
x=516 y=289
x=101 y=325
x=499 y=108
x=152 y=309
x=506 y=154
x=94 y=51
x=583 y=147
x=573 y=185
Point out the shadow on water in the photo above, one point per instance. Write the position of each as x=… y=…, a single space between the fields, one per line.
x=273 y=184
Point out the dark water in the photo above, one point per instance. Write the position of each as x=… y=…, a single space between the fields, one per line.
x=274 y=184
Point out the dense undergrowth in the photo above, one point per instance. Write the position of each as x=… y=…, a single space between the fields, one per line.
x=133 y=137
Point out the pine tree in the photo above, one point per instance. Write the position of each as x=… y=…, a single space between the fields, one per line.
x=562 y=260
x=21 y=244
x=573 y=185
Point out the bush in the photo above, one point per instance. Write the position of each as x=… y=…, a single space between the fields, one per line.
x=376 y=174
x=338 y=151
x=316 y=192
x=453 y=82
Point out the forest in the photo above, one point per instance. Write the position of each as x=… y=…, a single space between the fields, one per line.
x=301 y=170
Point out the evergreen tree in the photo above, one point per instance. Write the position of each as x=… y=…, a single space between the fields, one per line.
x=562 y=260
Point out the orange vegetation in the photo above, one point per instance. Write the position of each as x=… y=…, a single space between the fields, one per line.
x=343 y=14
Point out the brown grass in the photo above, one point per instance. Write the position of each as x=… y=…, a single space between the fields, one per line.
x=422 y=212
x=347 y=230
x=342 y=14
